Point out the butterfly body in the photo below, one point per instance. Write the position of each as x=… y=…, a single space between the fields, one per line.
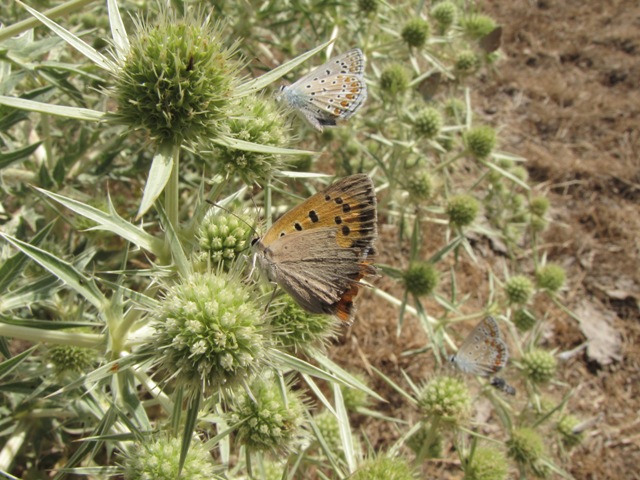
x=320 y=250
x=331 y=92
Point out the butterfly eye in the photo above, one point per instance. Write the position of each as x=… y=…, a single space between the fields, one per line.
x=254 y=240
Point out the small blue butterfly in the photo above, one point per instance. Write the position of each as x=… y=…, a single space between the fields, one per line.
x=331 y=92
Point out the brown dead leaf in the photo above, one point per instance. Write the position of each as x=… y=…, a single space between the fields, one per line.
x=596 y=322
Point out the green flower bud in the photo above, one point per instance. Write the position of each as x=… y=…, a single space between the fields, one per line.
x=444 y=13
x=567 y=429
x=523 y=320
x=420 y=186
x=520 y=173
x=519 y=289
x=539 y=366
x=462 y=210
x=537 y=224
x=416 y=32
x=487 y=464
x=480 y=141
x=257 y=120
x=539 y=206
x=176 y=80
x=296 y=329
x=160 y=459
x=525 y=446
x=466 y=62
x=446 y=399
x=267 y=421
x=70 y=359
x=428 y=123
x=477 y=26
x=383 y=468
x=421 y=279
x=355 y=398
x=210 y=332
x=222 y=236
x=551 y=277
x=394 y=80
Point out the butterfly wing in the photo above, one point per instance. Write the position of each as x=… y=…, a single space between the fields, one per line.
x=334 y=91
x=320 y=250
x=483 y=352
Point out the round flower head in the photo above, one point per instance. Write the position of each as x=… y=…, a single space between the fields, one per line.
x=539 y=365
x=421 y=279
x=519 y=289
x=268 y=421
x=551 y=277
x=466 y=62
x=211 y=332
x=444 y=13
x=480 y=141
x=394 y=80
x=159 y=459
x=416 y=32
x=383 y=468
x=569 y=436
x=176 y=80
x=525 y=446
x=420 y=186
x=462 y=210
x=487 y=464
x=539 y=206
x=477 y=26
x=69 y=359
x=427 y=123
x=222 y=237
x=257 y=120
x=295 y=328
x=523 y=320
x=368 y=6
x=445 y=399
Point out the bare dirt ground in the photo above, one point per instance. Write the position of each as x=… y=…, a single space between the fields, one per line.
x=566 y=97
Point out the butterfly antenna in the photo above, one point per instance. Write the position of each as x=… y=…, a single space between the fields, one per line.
x=255 y=232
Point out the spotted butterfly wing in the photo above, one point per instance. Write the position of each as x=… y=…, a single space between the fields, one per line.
x=483 y=352
x=334 y=91
x=320 y=250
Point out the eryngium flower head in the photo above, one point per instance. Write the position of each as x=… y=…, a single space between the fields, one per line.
x=159 y=459
x=480 y=141
x=177 y=79
x=257 y=120
x=518 y=289
x=525 y=446
x=539 y=365
x=210 y=331
x=295 y=328
x=445 y=399
x=421 y=279
x=462 y=210
x=383 y=468
x=268 y=421
x=487 y=464
x=416 y=32
x=394 y=80
x=551 y=277
x=222 y=236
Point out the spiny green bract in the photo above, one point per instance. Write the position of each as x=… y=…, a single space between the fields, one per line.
x=416 y=32
x=551 y=277
x=462 y=210
x=383 y=468
x=210 y=331
x=421 y=279
x=518 y=289
x=539 y=365
x=295 y=328
x=447 y=399
x=267 y=421
x=159 y=459
x=257 y=120
x=487 y=464
x=176 y=80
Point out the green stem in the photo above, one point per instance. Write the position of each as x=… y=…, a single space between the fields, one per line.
x=172 y=190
